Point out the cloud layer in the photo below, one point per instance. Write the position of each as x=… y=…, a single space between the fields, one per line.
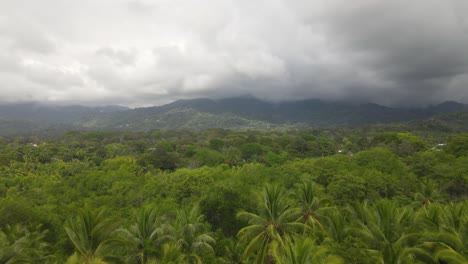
x=149 y=52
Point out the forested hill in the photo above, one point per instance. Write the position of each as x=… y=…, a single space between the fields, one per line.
x=34 y=118
x=199 y=114
x=242 y=113
x=37 y=112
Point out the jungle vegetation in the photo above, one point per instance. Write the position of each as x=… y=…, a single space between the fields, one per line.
x=222 y=196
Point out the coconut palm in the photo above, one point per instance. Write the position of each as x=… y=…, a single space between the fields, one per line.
x=77 y=259
x=234 y=251
x=93 y=234
x=300 y=250
x=171 y=254
x=274 y=221
x=429 y=192
x=147 y=235
x=12 y=242
x=455 y=222
x=338 y=223
x=387 y=231
x=192 y=234
x=312 y=207
x=446 y=231
x=450 y=256
x=19 y=245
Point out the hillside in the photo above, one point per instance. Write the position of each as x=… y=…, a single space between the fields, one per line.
x=41 y=119
x=230 y=113
x=37 y=112
x=240 y=113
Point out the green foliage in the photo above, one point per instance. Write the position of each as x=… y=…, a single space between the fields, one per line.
x=93 y=235
x=220 y=207
x=147 y=236
x=299 y=250
x=209 y=157
x=387 y=230
x=275 y=221
x=312 y=207
x=222 y=196
x=216 y=144
x=273 y=159
x=347 y=188
x=382 y=160
x=159 y=158
x=403 y=144
x=325 y=169
x=20 y=245
x=458 y=145
x=13 y=212
x=251 y=151
x=192 y=234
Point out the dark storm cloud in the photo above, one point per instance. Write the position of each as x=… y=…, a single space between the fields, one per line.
x=144 y=52
x=419 y=47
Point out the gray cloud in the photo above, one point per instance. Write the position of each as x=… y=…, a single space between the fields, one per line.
x=146 y=52
x=22 y=35
x=419 y=47
x=123 y=57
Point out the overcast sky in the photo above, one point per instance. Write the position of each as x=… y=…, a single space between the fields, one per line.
x=150 y=52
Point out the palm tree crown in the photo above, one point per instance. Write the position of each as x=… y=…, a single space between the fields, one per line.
x=275 y=221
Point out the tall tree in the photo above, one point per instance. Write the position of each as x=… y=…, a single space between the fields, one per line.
x=93 y=234
x=19 y=245
x=312 y=207
x=193 y=234
x=275 y=220
x=446 y=231
x=147 y=234
x=388 y=232
x=300 y=250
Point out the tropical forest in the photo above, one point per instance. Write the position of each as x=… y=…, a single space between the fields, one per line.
x=338 y=195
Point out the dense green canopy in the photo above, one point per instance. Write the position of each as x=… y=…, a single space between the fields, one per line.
x=220 y=196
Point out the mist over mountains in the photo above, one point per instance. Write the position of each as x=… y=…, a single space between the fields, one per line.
x=203 y=113
x=39 y=112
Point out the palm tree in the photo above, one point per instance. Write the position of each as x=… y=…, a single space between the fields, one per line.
x=92 y=234
x=450 y=256
x=171 y=254
x=455 y=219
x=446 y=231
x=300 y=250
x=19 y=245
x=429 y=192
x=312 y=207
x=148 y=234
x=275 y=221
x=234 y=251
x=387 y=231
x=12 y=243
x=337 y=224
x=192 y=233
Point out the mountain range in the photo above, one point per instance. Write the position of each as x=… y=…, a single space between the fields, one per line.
x=197 y=114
